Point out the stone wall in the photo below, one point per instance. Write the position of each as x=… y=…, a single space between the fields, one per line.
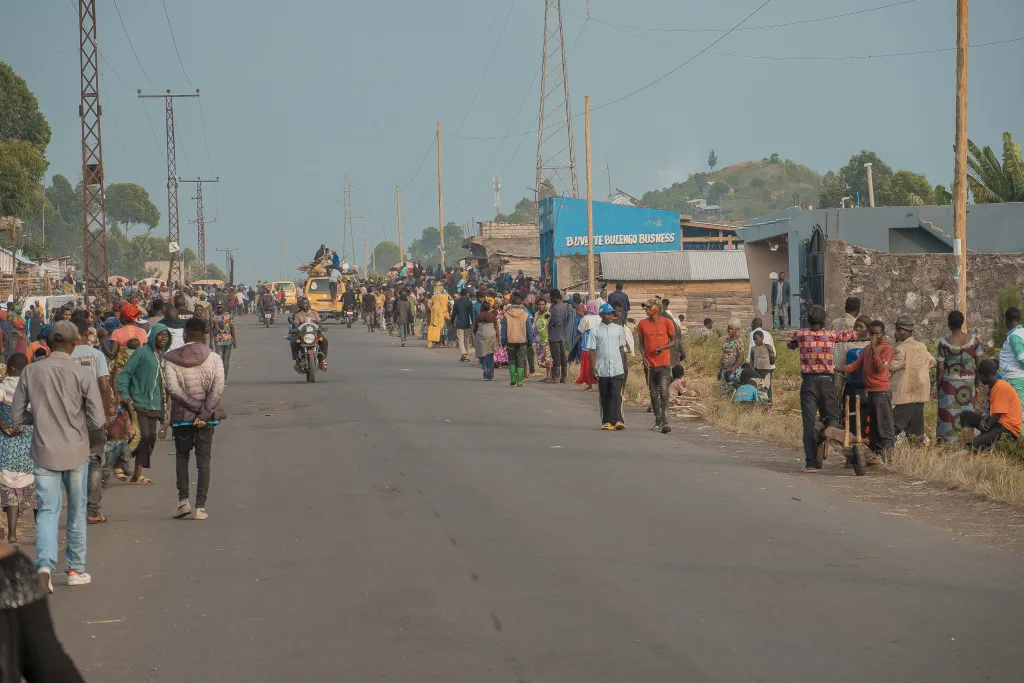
x=509 y=231
x=919 y=285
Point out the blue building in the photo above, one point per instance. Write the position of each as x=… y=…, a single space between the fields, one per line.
x=617 y=228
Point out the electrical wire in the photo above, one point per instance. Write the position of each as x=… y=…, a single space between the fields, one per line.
x=120 y=140
x=137 y=60
x=202 y=121
x=175 y=42
x=756 y=28
x=149 y=120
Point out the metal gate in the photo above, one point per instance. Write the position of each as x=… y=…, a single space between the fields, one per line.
x=815 y=265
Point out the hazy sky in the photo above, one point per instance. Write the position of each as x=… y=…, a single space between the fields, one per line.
x=296 y=95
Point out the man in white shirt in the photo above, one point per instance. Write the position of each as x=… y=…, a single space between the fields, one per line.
x=756 y=325
x=335 y=278
x=604 y=344
x=87 y=356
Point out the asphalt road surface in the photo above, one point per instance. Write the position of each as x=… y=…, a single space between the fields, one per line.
x=401 y=520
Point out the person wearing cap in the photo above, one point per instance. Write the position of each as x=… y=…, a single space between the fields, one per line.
x=604 y=346
x=65 y=404
x=910 y=375
x=817 y=389
x=656 y=334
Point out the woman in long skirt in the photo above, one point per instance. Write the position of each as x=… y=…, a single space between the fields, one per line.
x=17 y=483
x=957 y=360
x=501 y=354
x=587 y=323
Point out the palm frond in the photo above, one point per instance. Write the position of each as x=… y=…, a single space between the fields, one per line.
x=1013 y=168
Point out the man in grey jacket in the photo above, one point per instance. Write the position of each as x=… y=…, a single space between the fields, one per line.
x=66 y=404
x=559 y=332
x=195 y=381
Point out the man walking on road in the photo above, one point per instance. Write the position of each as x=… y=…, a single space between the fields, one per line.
x=93 y=359
x=605 y=345
x=462 y=314
x=516 y=334
x=195 y=381
x=656 y=334
x=65 y=405
x=559 y=332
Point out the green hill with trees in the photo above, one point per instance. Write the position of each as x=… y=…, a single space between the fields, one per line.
x=744 y=190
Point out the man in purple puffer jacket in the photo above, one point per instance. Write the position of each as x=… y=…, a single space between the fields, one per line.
x=195 y=381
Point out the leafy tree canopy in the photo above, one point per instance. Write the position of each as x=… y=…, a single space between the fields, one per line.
x=129 y=205
x=20 y=118
x=712 y=160
x=525 y=212
x=424 y=248
x=214 y=272
x=385 y=255
x=21 y=168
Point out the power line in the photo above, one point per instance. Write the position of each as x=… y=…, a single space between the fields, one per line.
x=175 y=42
x=433 y=138
x=202 y=121
x=483 y=76
x=137 y=61
x=754 y=28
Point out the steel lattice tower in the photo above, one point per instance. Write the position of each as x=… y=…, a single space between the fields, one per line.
x=556 y=148
x=94 y=223
x=201 y=222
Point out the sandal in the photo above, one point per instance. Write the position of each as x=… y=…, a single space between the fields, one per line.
x=144 y=481
x=98 y=519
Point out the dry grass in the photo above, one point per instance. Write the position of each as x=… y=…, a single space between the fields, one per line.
x=996 y=476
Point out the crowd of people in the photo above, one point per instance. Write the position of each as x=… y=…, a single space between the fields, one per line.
x=85 y=394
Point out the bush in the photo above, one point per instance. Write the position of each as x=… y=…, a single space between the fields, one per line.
x=1008 y=298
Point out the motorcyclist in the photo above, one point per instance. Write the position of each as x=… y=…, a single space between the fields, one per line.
x=267 y=302
x=306 y=315
x=348 y=300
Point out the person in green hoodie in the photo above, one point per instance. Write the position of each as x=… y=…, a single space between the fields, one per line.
x=140 y=385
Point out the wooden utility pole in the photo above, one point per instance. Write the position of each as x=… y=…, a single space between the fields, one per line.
x=366 y=273
x=440 y=194
x=590 y=201
x=960 y=164
x=398 y=202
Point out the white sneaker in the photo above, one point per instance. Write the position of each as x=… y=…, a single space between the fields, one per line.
x=44 y=578
x=200 y=513
x=78 y=578
x=183 y=509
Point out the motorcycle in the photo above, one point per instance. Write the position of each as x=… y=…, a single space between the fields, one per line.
x=350 y=315
x=265 y=319
x=310 y=359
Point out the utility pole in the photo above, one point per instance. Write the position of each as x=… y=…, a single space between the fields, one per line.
x=440 y=196
x=228 y=260
x=960 y=163
x=556 y=147
x=398 y=203
x=94 y=221
x=174 y=269
x=200 y=221
x=497 y=194
x=590 y=201
x=347 y=193
x=280 y=267
x=366 y=273
x=43 y=183
x=871 y=186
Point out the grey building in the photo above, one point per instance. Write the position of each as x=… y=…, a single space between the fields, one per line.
x=793 y=240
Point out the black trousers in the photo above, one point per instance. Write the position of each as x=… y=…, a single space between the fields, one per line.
x=559 y=360
x=909 y=418
x=882 y=430
x=531 y=358
x=987 y=439
x=817 y=397
x=185 y=439
x=609 y=389
x=659 y=377
x=148 y=428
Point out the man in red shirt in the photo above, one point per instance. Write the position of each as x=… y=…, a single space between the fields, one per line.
x=656 y=335
x=874 y=362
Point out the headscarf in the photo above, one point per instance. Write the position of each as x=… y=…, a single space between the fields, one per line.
x=111 y=324
x=130 y=313
x=3 y=314
x=592 y=307
x=45 y=331
x=531 y=298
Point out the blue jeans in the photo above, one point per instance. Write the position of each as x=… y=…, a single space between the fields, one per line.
x=48 y=493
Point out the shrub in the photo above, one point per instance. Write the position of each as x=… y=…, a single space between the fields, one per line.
x=1008 y=298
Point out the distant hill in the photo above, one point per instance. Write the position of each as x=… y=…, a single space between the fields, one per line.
x=745 y=190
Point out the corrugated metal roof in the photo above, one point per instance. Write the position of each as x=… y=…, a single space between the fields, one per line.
x=675 y=266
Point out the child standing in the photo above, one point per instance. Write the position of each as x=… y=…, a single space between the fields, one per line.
x=17 y=483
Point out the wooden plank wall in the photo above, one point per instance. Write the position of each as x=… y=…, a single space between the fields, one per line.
x=718 y=300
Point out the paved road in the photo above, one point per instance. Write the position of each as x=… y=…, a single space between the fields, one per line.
x=402 y=520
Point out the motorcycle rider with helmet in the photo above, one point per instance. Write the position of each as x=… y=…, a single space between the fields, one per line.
x=306 y=315
x=267 y=302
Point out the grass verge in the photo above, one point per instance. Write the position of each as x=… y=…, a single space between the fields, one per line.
x=996 y=476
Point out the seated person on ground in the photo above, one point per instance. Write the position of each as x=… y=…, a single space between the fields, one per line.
x=747 y=390
x=1004 y=418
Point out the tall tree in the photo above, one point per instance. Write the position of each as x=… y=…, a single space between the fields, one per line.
x=21 y=168
x=712 y=160
x=833 y=189
x=857 y=176
x=991 y=181
x=129 y=205
x=943 y=197
x=20 y=118
x=214 y=272
x=906 y=188
x=525 y=212
x=385 y=255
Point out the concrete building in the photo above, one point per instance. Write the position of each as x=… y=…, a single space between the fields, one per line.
x=512 y=246
x=700 y=284
x=807 y=242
